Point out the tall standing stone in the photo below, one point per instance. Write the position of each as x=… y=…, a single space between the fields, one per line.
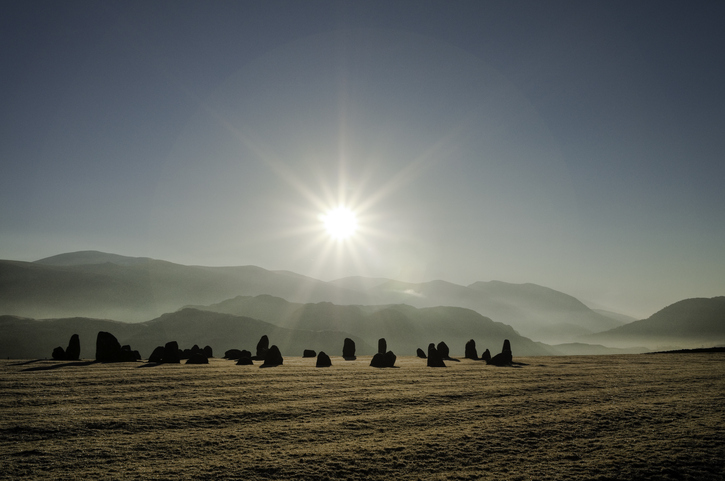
x=471 y=352
x=108 y=349
x=348 y=349
x=382 y=345
x=262 y=347
x=73 y=351
x=434 y=357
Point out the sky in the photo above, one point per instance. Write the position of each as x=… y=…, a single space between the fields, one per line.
x=575 y=145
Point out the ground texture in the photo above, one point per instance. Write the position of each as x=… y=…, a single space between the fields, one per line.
x=645 y=417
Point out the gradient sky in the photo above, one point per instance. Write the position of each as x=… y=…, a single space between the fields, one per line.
x=576 y=145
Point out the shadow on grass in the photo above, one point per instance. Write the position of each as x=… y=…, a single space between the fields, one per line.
x=58 y=366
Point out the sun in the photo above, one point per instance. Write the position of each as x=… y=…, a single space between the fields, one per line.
x=340 y=223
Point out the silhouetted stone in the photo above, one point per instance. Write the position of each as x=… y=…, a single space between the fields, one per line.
x=383 y=360
x=171 y=353
x=262 y=348
x=73 y=351
x=471 y=352
x=59 y=354
x=434 y=357
x=208 y=352
x=486 y=356
x=348 y=349
x=129 y=355
x=235 y=354
x=158 y=355
x=197 y=358
x=382 y=345
x=443 y=350
x=421 y=353
x=108 y=349
x=273 y=358
x=505 y=358
x=323 y=360
x=309 y=353
x=245 y=361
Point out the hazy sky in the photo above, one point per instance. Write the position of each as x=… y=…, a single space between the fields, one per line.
x=576 y=145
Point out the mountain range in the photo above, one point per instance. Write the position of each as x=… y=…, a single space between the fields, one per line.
x=86 y=287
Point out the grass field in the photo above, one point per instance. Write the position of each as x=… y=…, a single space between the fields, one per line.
x=656 y=416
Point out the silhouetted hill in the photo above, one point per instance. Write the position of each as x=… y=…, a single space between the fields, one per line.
x=23 y=338
x=405 y=328
x=136 y=289
x=689 y=323
x=534 y=311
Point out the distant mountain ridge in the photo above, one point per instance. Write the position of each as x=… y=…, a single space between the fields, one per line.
x=695 y=322
x=405 y=328
x=99 y=285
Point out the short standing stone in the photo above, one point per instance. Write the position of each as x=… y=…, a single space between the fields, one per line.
x=383 y=360
x=245 y=361
x=323 y=360
x=421 y=353
x=309 y=353
x=197 y=358
x=505 y=358
x=158 y=354
x=273 y=358
x=486 y=356
x=208 y=352
x=348 y=349
x=59 y=354
x=434 y=357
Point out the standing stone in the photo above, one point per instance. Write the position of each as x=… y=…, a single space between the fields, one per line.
x=208 y=352
x=348 y=349
x=443 y=350
x=383 y=360
x=434 y=357
x=471 y=352
x=108 y=349
x=245 y=361
x=197 y=358
x=59 y=354
x=73 y=351
x=323 y=360
x=273 y=358
x=505 y=358
x=420 y=353
x=486 y=356
x=262 y=348
x=157 y=355
x=382 y=345
x=309 y=353
x=171 y=353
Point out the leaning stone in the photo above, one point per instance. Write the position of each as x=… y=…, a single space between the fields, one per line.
x=323 y=360
x=486 y=356
x=421 y=353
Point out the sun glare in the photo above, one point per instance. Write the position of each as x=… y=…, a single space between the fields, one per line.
x=340 y=223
